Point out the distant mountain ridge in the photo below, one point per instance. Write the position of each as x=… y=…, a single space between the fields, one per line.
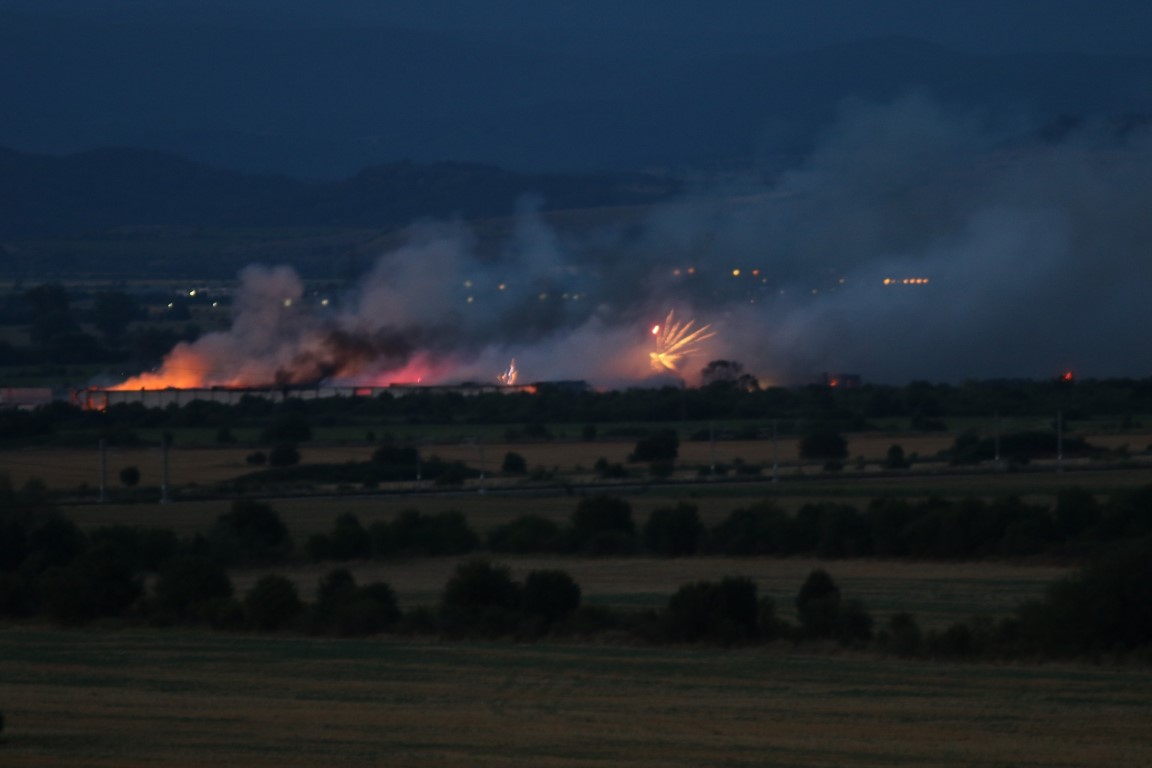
x=109 y=188
x=324 y=102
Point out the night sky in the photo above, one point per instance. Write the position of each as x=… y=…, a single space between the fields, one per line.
x=996 y=150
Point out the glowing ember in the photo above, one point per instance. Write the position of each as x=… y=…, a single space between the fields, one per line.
x=675 y=342
x=508 y=378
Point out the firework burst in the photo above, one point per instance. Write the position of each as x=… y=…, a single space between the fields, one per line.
x=508 y=377
x=675 y=342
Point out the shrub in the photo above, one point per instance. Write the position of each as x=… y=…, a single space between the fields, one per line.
x=514 y=464
x=250 y=532
x=480 y=599
x=674 y=531
x=724 y=612
x=284 y=455
x=661 y=446
x=550 y=595
x=414 y=533
x=273 y=603
x=528 y=533
x=256 y=459
x=130 y=477
x=603 y=525
x=290 y=428
x=349 y=539
x=824 y=444
x=186 y=588
x=818 y=605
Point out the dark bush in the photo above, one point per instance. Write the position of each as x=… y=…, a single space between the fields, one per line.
x=818 y=605
x=284 y=455
x=289 y=428
x=514 y=464
x=187 y=587
x=129 y=477
x=725 y=612
x=661 y=446
x=251 y=532
x=528 y=533
x=480 y=599
x=414 y=533
x=349 y=539
x=603 y=525
x=825 y=445
x=761 y=529
x=273 y=603
x=397 y=456
x=674 y=531
x=902 y=636
x=550 y=595
x=256 y=459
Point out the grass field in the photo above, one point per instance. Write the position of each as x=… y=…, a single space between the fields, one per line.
x=128 y=699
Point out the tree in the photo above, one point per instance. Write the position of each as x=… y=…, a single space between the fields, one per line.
x=824 y=444
x=130 y=477
x=111 y=314
x=187 y=587
x=273 y=603
x=514 y=464
x=349 y=540
x=251 y=531
x=663 y=445
x=674 y=531
x=290 y=428
x=480 y=598
x=726 y=611
x=284 y=455
x=603 y=525
x=818 y=605
x=550 y=595
x=895 y=458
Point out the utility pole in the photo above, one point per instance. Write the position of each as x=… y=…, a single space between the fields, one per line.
x=103 y=470
x=1059 y=441
x=712 y=447
x=997 y=438
x=164 y=498
x=775 y=455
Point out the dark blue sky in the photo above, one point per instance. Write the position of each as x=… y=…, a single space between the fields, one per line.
x=976 y=26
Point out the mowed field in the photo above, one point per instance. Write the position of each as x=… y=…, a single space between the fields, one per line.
x=69 y=469
x=134 y=699
x=112 y=696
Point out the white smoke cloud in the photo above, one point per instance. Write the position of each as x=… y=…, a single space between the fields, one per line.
x=1035 y=254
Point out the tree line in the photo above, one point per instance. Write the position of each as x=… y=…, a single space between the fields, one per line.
x=49 y=567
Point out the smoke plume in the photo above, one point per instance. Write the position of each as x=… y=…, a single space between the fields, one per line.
x=912 y=243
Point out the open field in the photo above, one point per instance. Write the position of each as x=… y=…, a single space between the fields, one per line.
x=67 y=469
x=127 y=699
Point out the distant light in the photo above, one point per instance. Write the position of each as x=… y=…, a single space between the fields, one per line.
x=887 y=281
x=543 y=297
x=192 y=292
x=735 y=273
x=501 y=287
x=756 y=273
x=215 y=303
x=676 y=272
x=470 y=299
x=287 y=302
x=323 y=302
x=691 y=270
x=171 y=305
x=467 y=283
